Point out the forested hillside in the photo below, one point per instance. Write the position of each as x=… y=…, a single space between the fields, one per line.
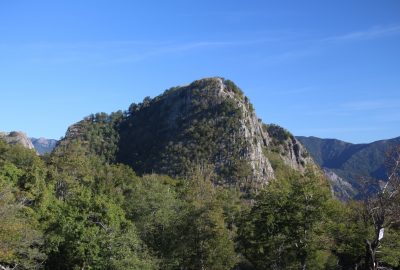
x=71 y=210
x=209 y=121
x=191 y=179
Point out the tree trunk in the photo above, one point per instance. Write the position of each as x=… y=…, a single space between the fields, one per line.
x=370 y=256
x=303 y=263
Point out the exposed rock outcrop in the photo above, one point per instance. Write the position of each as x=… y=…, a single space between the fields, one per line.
x=339 y=187
x=17 y=137
x=252 y=130
x=208 y=121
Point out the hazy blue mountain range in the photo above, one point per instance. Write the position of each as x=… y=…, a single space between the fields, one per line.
x=346 y=164
x=43 y=145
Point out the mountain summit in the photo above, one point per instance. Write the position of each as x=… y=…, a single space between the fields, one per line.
x=209 y=122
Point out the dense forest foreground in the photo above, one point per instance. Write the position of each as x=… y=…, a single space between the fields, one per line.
x=69 y=210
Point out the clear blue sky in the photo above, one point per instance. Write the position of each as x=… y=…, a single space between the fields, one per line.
x=322 y=68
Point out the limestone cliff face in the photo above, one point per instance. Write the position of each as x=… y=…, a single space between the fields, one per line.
x=74 y=131
x=339 y=187
x=250 y=129
x=17 y=137
x=209 y=121
x=296 y=156
x=289 y=148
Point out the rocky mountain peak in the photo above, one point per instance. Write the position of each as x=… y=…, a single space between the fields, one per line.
x=17 y=137
x=208 y=122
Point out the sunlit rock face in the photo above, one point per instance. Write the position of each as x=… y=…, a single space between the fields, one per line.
x=17 y=137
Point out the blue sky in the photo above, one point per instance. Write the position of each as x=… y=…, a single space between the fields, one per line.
x=325 y=68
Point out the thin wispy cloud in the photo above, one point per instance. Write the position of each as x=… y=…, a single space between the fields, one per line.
x=100 y=44
x=393 y=117
x=353 y=108
x=126 y=51
x=181 y=48
x=332 y=111
x=290 y=55
x=115 y=52
x=367 y=105
x=314 y=46
x=289 y=92
x=372 y=33
x=298 y=46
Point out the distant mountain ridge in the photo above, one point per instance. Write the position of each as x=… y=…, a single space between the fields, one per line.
x=43 y=145
x=346 y=164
